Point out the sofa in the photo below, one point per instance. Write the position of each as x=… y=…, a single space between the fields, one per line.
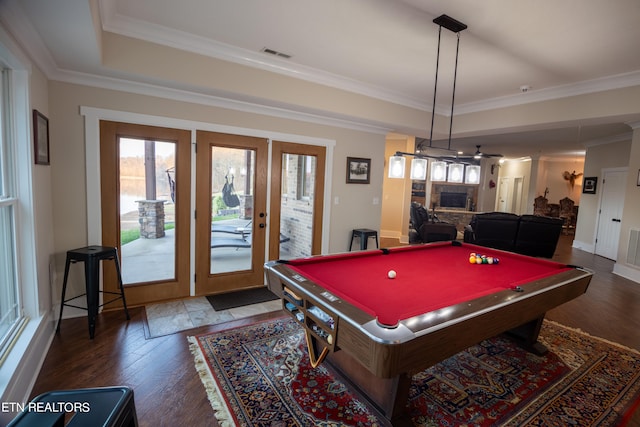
x=531 y=235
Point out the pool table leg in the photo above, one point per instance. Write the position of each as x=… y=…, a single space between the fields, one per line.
x=527 y=336
x=388 y=396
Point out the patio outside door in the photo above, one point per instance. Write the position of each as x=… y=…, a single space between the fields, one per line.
x=231 y=216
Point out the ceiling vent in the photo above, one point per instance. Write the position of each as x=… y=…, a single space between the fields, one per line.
x=275 y=53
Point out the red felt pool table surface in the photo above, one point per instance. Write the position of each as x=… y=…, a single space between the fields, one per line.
x=428 y=277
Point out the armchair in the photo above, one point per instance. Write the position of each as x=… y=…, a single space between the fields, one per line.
x=567 y=213
x=541 y=206
x=425 y=229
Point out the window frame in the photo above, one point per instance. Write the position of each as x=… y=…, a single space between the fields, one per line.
x=18 y=172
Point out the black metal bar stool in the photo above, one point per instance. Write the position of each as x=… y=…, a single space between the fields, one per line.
x=91 y=256
x=364 y=234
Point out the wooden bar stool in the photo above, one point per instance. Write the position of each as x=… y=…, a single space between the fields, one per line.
x=364 y=234
x=91 y=256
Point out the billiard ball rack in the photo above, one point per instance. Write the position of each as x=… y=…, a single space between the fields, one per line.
x=320 y=325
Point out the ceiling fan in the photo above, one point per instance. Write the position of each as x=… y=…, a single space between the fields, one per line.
x=479 y=154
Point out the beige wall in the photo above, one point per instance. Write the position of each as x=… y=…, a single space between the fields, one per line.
x=631 y=212
x=598 y=107
x=43 y=197
x=355 y=207
x=396 y=193
x=167 y=65
x=34 y=225
x=598 y=157
x=552 y=178
x=60 y=189
x=514 y=169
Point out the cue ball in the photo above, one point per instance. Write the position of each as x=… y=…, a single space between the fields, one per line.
x=391 y=274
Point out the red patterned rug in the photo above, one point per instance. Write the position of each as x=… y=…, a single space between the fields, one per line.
x=260 y=375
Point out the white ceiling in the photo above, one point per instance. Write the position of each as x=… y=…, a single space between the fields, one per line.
x=381 y=48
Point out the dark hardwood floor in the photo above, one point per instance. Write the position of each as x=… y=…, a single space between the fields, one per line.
x=168 y=390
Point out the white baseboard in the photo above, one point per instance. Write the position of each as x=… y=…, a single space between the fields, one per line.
x=24 y=362
x=630 y=273
x=390 y=234
x=619 y=269
x=587 y=247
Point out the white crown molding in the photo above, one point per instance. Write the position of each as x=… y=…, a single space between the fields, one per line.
x=218 y=101
x=622 y=137
x=633 y=125
x=562 y=158
x=581 y=88
x=22 y=30
x=559 y=157
x=188 y=42
x=158 y=34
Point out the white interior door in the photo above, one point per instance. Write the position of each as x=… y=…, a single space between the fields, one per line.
x=502 y=204
x=609 y=220
x=516 y=206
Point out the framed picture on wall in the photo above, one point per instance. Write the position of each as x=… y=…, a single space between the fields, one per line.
x=40 y=138
x=358 y=170
x=589 y=185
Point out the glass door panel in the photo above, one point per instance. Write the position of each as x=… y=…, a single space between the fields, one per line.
x=147 y=210
x=145 y=183
x=231 y=188
x=297 y=198
x=232 y=191
x=297 y=205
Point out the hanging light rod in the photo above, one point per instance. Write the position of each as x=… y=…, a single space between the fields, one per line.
x=419 y=164
x=449 y=23
x=455 y=26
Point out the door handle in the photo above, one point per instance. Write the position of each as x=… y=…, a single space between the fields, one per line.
x=616 y=220
x=261 y=225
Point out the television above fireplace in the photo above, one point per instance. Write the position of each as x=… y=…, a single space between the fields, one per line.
x=453 y=200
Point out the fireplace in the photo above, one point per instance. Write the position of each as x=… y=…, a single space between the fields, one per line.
x=453 y=200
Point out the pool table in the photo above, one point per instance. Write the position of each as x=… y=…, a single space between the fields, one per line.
x=376 y=332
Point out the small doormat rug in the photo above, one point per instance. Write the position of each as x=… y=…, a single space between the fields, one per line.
x=260 y=375
x=240 y=298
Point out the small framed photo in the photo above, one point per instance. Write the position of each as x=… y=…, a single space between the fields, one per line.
x=358 y=170
x=40 y=138
x=589 y=185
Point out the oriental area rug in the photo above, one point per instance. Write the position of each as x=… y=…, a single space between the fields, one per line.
x=260 y=375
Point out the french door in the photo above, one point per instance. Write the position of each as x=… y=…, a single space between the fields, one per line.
x=297 y=197
x=231 y=212
x=145 y=179
x=146 y=190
